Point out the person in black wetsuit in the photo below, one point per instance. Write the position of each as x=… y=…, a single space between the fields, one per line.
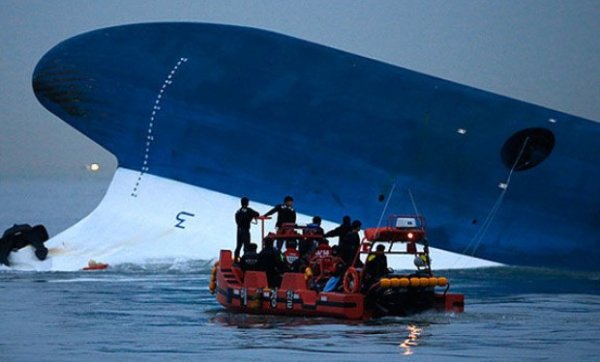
x=376 y=265
x=19 y=236
x=249 y=260
x=341 y=231
x=243 y=218
x=350 y=243
x=285 y=214
x=271 y=261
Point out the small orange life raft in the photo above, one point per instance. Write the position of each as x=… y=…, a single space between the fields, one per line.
x=93 y=265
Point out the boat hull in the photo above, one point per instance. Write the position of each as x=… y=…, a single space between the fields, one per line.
x=248 y=112
x=248 y=292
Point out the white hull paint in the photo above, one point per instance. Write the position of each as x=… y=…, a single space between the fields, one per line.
x=147 y=228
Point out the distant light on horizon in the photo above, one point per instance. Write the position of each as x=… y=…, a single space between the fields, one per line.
x=94 y=167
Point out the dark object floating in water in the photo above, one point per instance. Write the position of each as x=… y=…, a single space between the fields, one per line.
x=21 y=235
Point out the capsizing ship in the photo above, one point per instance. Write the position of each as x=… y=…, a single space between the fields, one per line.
x=192 y=110
x=359 y=294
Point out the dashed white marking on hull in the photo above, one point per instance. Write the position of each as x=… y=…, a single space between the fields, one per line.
x=155 y=109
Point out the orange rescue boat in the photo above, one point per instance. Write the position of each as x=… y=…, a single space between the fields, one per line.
x=361 y=297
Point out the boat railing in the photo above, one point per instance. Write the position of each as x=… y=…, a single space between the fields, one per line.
x=289 y=231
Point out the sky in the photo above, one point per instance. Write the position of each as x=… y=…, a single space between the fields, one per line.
x=543 y=52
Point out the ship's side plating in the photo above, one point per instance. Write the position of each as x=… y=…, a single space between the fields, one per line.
x=249 y=112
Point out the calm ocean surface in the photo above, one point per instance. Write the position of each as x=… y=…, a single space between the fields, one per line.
x=165 y=312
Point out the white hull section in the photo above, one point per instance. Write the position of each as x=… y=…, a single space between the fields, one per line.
x=148 y=228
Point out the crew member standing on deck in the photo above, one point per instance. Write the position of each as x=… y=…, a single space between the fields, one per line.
x=341 y=231
x=350 y=243
x=285 y=214
x=243 y=218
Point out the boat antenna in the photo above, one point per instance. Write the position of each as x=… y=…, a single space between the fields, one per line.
x=414 y=204
x=387 y=202
x=490 y=217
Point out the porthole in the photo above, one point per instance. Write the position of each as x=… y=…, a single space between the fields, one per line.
x=527 y=148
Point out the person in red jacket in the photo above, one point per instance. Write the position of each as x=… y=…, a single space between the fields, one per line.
x=323 y=264
x=291 y=254
x=323 y=250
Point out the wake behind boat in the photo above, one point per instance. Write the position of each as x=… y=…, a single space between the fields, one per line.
x=324 y=286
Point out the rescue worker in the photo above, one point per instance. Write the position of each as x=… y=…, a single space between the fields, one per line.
x=335 y=253
x=376 y=264
x=271 y=261
x=291 y=255
x=350 y=243
x=307 y=246
x=321 y=264
x=323 y=250
x=340 y=231
x=249 y=260
x=316 y=225
x=334 y=282
x=285 y=215
x=340 y=266
x=243 y=218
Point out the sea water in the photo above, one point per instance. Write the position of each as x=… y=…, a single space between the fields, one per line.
x=164 y=311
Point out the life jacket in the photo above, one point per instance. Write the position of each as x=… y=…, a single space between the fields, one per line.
x=291 y=255
x=376 y=265
x=326 y=266
x=250 y=261
x=322 y=251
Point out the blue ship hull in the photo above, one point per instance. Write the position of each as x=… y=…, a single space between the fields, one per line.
x=249 y=112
